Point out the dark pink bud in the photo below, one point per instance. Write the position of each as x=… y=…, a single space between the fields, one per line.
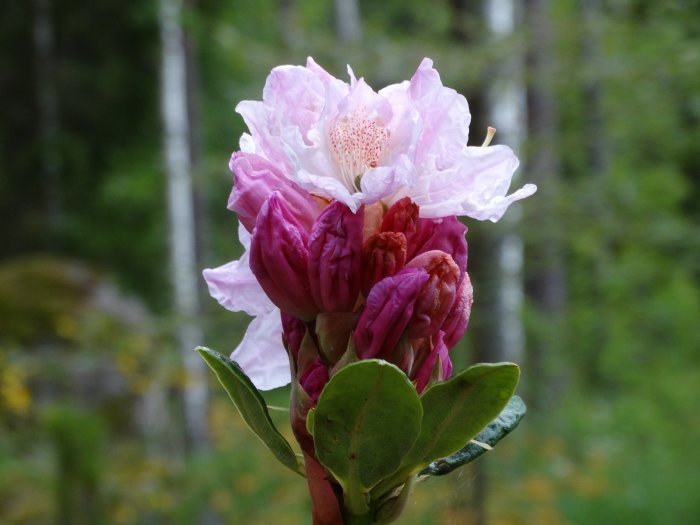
x=422 y=235
x=384 y=255
x=314 y=379
x=434 y=352
x=445 y=234
x=293 y=331
x=278 y=259
x=255 y=179
x=386 y=314
x=401 y=217
x=437 y=296
x=335 y=258
x=457 y=320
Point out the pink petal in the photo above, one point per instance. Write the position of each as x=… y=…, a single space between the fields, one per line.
x=255 y=180
x=261 y=354
x=475 y=185
x=295 y=97
x=327 y=186
x=381 y=182
x=445 y=116
x=235 y=287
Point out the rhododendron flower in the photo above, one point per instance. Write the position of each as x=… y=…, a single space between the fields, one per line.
x=351 y=196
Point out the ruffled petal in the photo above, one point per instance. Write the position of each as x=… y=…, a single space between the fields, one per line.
x=381 y=182
x=327 y=187
x=261 y=354
x=295 y=96
x=235 y=287
x=445 y=118
x=475 y=185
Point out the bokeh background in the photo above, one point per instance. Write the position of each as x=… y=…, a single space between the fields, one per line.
x=591 y=285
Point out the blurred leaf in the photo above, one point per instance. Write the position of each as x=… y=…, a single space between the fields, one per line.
x=504 y=424
x=251 y=405
x=367 y=417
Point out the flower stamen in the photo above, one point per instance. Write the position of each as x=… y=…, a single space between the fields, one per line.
x=357 y=143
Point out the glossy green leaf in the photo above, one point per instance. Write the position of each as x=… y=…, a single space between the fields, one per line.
x=504 y=424
x=251 y=405
x=455 y=411
x=367 y=418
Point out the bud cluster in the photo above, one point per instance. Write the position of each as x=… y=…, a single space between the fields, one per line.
x=373 y=284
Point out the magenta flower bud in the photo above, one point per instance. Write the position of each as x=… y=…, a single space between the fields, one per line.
x=293 y=331
x=278 y=259
x=255 y=180
x=434 y=350
x=422 y=235
x=384 y=255
x=335 y=258
x=313 y=379
x=401 y=217
x=457 y=320
x=437 y=296
x=386 y=314
x=445 y=234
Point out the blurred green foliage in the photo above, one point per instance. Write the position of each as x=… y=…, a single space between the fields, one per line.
x=612 y=436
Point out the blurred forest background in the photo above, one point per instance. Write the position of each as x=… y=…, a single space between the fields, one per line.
x=113 y=190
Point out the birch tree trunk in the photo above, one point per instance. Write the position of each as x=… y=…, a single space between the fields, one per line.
x=178 y=155
x=547 y=271
x=506 y=111
x=347 y=19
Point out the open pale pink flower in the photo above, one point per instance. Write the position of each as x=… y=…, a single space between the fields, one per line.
x=347 y=142
x=319 y=156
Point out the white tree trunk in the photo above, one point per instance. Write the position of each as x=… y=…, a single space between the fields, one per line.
x=178 y=163
x=347 y=19
x=506 y=110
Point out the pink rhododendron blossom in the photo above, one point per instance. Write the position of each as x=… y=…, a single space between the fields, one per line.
x=351 y=197
x=347 y=142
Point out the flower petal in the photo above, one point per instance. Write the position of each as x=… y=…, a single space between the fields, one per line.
x=235 y=287
x=380 y=182
x=445 y=116
x=475 y=185
x=261 y=354
x=255 y=180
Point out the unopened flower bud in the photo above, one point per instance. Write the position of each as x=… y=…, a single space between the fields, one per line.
x=313 y=379
x=457 y=320
x=386 y=314
x=434 y=352
x=422 y=234
x=445 y=234
x=437 y=295
x=384 y=255
x=278 y=259
x=335 y=258
x=293 y=331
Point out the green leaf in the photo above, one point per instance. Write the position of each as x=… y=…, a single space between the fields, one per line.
x=504 y=424
x=251 y=405
x=367 y=418
x=455 y=411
